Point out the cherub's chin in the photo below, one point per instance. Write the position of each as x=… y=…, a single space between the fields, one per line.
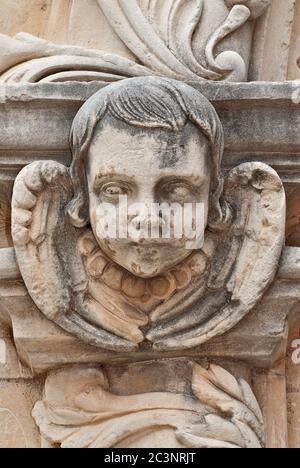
x=145 y=271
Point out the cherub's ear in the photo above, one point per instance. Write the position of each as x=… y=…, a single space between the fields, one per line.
x=220 y=216
x=78 y=210
x=220 y=213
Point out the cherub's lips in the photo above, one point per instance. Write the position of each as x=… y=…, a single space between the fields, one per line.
x=147 y=246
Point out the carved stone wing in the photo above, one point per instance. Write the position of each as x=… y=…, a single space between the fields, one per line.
x=245 y=262
x=46 y=249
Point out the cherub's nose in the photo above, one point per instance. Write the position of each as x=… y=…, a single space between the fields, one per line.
x=146 y=223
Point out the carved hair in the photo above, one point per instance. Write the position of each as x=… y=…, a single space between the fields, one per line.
x=146 y=103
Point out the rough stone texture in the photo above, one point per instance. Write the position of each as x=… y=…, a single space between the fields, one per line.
x=258 y=342
x=245 y=221
x=200 y=40
x=190 y=407
x=293 y=380
x=17 y=427
x=277 y=30
x=83 y=23
x=266 y=65
x=294 y=49
x=42 y=193
x=61 y=21
x=260 y=122
x=270 y=388
x=44 y=346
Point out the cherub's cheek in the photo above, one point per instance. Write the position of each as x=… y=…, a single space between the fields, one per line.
x=93 y=221
x=110 y=249
x=92 y=206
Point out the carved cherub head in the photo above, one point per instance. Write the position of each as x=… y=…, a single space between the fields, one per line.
x=153 y=140
x=156 y=141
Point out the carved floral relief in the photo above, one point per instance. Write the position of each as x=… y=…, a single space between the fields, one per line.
x=172 y=339
x=171 y=38
x=79 y=411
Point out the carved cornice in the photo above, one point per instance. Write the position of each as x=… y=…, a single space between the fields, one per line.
x=256 y=118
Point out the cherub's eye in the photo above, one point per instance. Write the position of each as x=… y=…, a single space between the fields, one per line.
x=114 y=190
x=178 y=192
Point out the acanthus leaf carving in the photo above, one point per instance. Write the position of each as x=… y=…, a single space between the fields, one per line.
x=79 y=411
x=162 y=36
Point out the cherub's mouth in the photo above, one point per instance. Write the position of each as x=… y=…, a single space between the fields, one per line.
x=148 y=246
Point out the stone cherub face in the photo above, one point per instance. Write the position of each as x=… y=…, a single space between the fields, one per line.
x=144 y=145
x=148 y=167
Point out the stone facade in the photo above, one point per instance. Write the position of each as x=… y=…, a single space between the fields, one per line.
x=127 y=341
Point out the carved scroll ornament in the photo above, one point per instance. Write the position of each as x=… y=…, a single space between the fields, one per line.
x=79 y=411
x=122 y=296
x=171 y=38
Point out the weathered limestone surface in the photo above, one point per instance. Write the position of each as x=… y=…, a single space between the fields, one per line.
x=17 y=428
x=270 y=388
x=119 y=298
x=200 y=40
x=61 y=21
x=90 y=24
x=277 y=30
x=269 y=108
x=127 y=407
x=260 y=122
x=36 y=338
x=259 y=340
x=123 y=343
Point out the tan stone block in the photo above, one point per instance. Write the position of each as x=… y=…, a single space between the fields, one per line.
x=294 y=420
x=17 y=427
x=270 y=390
